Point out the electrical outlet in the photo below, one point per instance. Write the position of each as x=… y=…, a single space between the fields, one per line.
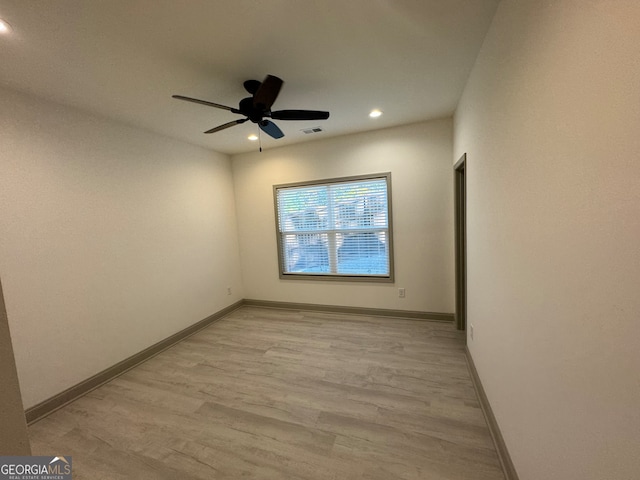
x=228 y=290
x=401 y=292
x=471 y=330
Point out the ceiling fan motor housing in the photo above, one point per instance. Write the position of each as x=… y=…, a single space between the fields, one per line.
x=247 y=109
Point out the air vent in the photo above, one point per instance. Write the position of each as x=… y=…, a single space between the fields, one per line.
x=307 y=131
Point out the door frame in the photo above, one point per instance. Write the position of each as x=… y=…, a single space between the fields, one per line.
x=460 y=192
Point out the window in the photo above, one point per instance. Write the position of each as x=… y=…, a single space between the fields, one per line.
x=335 y=229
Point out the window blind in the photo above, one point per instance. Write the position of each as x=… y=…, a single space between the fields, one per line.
x=337 y=228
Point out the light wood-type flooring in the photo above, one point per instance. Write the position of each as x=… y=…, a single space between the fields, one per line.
x=288 y=395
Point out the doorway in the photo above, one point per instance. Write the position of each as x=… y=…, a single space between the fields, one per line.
x=460 y=189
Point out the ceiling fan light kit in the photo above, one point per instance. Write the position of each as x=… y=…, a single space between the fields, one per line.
x=257 y=107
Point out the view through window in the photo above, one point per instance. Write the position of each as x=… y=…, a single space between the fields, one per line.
x=337 y=228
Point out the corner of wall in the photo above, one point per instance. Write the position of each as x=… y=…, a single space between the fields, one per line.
x=13 y=427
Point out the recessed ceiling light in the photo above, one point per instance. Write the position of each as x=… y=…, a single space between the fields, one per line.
x=253 y=137
x=4 y=27
x=375 y=113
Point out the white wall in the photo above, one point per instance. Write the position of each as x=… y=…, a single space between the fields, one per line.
x=418 y=157
x=550 y=119
x=112 y=239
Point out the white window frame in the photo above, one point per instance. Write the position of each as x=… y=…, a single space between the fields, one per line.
x=388 y=278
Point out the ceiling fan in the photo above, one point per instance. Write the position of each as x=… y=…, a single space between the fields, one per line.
x=258 y=106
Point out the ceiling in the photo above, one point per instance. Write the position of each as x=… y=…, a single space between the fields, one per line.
x=123 y=59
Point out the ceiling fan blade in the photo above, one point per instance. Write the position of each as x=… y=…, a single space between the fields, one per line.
x=270 y=129
x=267 y=92
x=226 y=125
x=300 y=115
x=204 y=102
x=252 y=86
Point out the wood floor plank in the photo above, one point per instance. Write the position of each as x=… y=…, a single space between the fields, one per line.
x=280 y=394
